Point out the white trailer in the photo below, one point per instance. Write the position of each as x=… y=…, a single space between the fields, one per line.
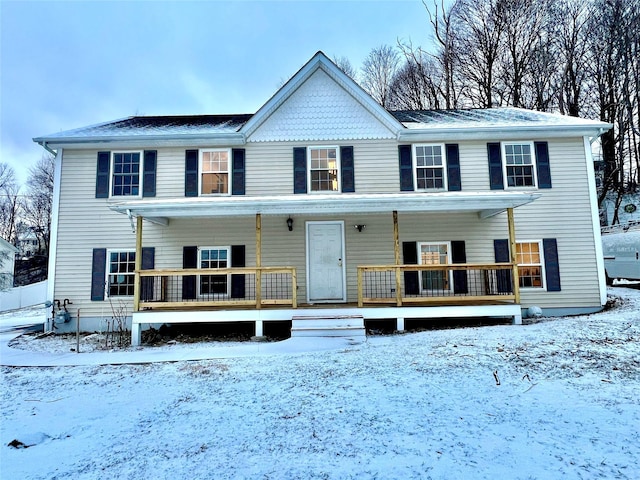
x=621 y=248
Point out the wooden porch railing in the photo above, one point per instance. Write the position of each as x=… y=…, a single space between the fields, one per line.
x=463 y=283
x=221 y=287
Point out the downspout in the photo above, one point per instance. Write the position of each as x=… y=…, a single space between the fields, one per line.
x=600 y=132
x=595 y=217
x=53 y=230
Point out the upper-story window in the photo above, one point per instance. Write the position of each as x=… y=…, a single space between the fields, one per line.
x=519 y=164
x=214 y=172
x=125 y=179
x=430 y=167
x=324 y=165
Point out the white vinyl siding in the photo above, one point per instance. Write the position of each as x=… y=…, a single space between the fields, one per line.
x=562 y=212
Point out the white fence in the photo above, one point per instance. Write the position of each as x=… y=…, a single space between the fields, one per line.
x=26 y=296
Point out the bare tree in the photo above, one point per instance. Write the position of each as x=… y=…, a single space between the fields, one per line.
x=344 y=64
x=39 y=198
x=480 y=34
x=413 y=87
x=444 y=24
x=523 y=23
x=9 y=203
x=614 y=28
x=378 y=70
x=572 y=46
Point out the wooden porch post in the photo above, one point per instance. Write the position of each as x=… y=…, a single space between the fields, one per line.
x=514 y=259
x=138 y=266
x=396 y=252
x=258 y=260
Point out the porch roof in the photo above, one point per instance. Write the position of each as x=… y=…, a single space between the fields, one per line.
x=486 y=204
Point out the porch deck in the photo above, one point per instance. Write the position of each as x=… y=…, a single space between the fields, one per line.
x=377 y=312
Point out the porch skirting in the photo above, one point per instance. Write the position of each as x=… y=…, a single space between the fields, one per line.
x=258 y=316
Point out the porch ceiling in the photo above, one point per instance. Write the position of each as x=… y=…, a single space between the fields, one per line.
x=486 y=204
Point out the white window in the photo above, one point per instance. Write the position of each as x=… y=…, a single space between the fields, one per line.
x=435 y=254
x=530 y=264
x=214 y=172
x=125 y=176
x=324 y=168
x=213 y=286
x=519 y=164
x=121 y=266
x=429 y=167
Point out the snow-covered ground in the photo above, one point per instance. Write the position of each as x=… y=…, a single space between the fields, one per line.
x=554 y=399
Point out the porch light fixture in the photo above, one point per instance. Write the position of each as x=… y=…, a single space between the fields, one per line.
x=360 y=227
x=290 y=223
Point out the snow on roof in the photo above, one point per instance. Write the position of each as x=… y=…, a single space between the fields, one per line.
x=159 y=126
x=485 y=117
x=413 y=120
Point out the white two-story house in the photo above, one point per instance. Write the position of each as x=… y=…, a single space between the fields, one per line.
x=321 y=203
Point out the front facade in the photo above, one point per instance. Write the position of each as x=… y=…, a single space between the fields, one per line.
x=321 y=201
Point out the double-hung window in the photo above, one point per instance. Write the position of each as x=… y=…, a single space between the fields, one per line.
x=519 y=164
x=430 y=167
x=214 y=171
x=121 y=266
x=213 y=286
x=125 y=179
x=324 y=165
x=434 y=254
x=530 y=264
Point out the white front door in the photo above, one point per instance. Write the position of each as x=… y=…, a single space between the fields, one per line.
x=325 y=262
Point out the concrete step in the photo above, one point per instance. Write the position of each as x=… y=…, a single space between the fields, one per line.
x=328 y=326
x=325 y=332
x=327 y=321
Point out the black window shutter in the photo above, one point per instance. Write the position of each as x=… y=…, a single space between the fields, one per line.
x=238 y=177
x=146 y=283
x=103 y=174
x=459 y=255
x=299 y=170
x=453 y=167
x=406 y=168
x=347 y=171
x=191 y=173
x=410 y=257
x=149 y=177
x=237 y=281
x=542 y=164
x=551 y=264
x=496 y=179
x=189 y=260
x=98 y=270
x=502 y=255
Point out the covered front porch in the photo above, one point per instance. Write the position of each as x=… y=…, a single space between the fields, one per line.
x=263 y=293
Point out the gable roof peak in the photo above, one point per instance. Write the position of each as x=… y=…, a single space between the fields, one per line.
x=321 y=61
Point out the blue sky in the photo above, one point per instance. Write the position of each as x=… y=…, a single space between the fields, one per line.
x=67 y=64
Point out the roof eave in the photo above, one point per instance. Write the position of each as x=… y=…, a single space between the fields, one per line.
x=195 y=140
x=485 y=204
x=502 y=132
